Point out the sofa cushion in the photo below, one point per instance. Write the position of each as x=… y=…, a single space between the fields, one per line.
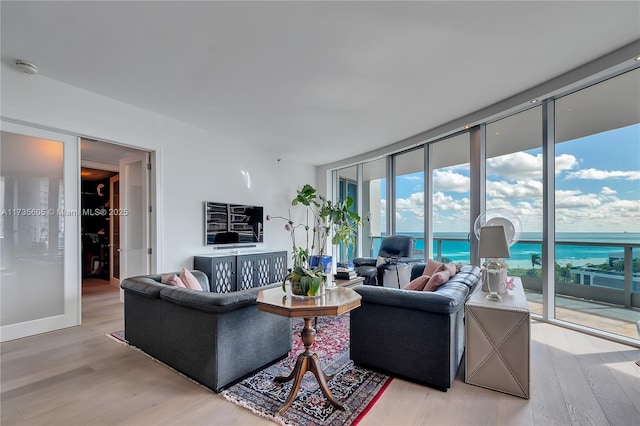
x=437 y=280
x=418 y=284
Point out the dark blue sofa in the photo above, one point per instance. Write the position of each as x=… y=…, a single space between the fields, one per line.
x=216 y=339
x=414 y=335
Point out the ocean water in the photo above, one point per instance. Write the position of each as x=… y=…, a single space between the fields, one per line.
x=531 y=243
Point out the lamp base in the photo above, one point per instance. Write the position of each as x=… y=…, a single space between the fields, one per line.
x=494 y=296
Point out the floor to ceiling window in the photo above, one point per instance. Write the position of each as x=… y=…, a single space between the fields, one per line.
x=347 y=179
x=409 y=197
x=450 y=203
x=514 y=182
x=587 y=258
x=597 y=212
x=374 y=205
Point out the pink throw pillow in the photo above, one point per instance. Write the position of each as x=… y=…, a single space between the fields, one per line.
x=190 y=280
x=172 y=279
x=432 y=267
x=451 y=268
x=418 y=284
x=437 y=280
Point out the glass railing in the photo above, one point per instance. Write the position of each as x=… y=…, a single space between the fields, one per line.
x=599 y=271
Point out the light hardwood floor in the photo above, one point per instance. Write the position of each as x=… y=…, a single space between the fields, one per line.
x=78 y=376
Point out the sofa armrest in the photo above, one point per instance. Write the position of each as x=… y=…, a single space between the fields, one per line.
x=364 y=261
x=444 y=302
x=145 y=286
x=212 y=302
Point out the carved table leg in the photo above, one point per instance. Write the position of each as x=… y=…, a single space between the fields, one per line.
x=307 y=361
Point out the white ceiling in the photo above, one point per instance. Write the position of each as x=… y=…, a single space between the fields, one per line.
x=319 y=81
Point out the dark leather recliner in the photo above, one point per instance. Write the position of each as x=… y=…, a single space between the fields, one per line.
x=394 y=249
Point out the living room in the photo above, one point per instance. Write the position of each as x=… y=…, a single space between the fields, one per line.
x=270 y=147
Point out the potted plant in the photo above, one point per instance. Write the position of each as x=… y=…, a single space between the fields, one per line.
x=311 y=265
x=328 y=216
x=345 y=227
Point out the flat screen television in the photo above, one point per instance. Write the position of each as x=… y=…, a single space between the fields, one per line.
x=232 y=223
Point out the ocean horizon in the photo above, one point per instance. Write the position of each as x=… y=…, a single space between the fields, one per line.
x=456 y=247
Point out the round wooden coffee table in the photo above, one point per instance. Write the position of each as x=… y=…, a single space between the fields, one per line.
x=336 y=301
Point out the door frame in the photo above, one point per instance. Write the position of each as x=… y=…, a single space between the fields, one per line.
x=114 y=251
x=142 y=160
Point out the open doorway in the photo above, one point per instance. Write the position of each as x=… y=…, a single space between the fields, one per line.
x=96 y=227
x=105 y=167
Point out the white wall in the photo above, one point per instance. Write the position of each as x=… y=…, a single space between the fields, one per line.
x=195 y=165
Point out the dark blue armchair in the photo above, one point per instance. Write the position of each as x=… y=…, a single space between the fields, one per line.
x=395 y=249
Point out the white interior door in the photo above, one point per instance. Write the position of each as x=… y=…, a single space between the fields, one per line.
x=114 y=232
x=134 y=216
x=39 y=231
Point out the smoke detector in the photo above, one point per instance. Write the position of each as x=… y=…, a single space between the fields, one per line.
x=26 y=66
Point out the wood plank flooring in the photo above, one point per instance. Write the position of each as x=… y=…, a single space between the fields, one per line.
x=78 y=376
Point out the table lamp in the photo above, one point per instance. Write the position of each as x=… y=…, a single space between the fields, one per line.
x=493 y=247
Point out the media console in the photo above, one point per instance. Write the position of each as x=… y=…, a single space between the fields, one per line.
x=229 y=272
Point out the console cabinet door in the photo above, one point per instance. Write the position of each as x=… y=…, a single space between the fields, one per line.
x=246 y=271
x=278 y=263
x=221 y=272
x=262 y=270
x=254 y=270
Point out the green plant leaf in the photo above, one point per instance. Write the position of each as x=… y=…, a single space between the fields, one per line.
x=305 y=284
x=316 y=283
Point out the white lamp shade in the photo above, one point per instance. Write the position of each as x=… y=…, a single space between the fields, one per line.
x=493 y=242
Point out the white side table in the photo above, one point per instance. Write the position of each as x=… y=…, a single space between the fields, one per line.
x=497 y=337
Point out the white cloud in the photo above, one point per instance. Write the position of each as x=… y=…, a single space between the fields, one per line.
x=413 y=205
x=565 y=162
x=518 y=190
x=615 y=216
x=524 y=166
x=574 y=199
x=567 y=192
x=596 y=174
x=442 y=202
x=447 y=180
x=608 y=191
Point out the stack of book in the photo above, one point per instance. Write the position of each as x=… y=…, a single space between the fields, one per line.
x=345 y=274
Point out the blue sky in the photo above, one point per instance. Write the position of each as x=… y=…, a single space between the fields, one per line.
x=597 y=187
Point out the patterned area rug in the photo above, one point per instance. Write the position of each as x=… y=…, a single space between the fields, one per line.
x=357 y=388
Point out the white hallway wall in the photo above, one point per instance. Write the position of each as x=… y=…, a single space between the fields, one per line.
x=195 y=165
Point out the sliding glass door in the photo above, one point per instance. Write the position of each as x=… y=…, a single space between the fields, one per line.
x=514 y=182
x=374 y=205
x=39 y=231
x=409 y=198
x=450 y=202
x=597 y=208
